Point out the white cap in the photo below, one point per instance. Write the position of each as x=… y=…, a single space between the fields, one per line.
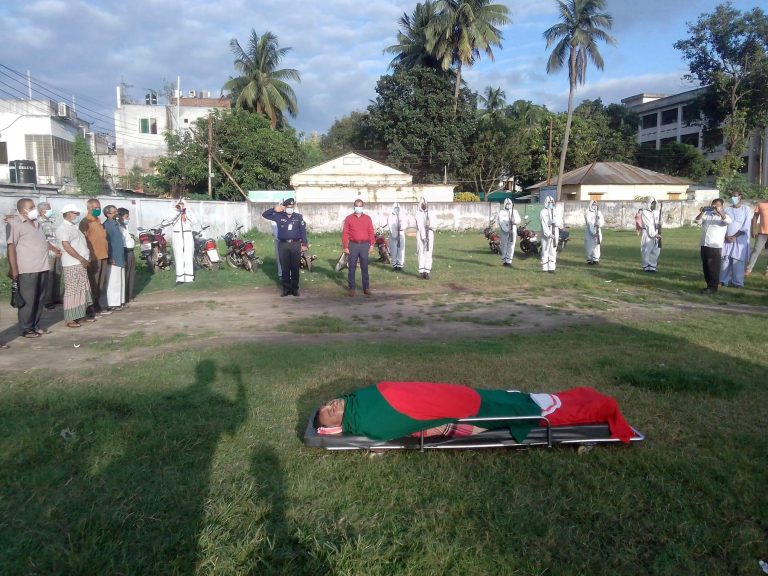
x=71 y=208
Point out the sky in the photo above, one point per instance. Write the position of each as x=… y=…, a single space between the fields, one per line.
x=85 y=48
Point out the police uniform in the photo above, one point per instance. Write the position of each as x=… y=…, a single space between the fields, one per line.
x=291 y=235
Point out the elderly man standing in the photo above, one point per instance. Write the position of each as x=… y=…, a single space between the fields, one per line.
x=358 y=240
x=53 y=291
x=116 y=253
x=123 y=217
x=96 y=237
x=74 y=263
x=28 y=260
x=736 y=246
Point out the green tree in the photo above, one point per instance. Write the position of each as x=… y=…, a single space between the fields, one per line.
x=261 y=86
x=676 y=159
x=412 y=120
x=493 y=100
x=461 y=30
x=727 y=51
x=85 y=169
x=256 y=156
x=313 y=153
x=411 y=48
x=575 y=39
x=350 y=133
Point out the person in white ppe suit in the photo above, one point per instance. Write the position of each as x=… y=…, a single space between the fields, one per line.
x=508 y=219
x=397 y=224
x=183 y=243
x=551 y=223
x=425 y=239
x=649 y=236
x=593 y=234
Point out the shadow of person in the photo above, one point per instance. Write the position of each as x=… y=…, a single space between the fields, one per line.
x=123 y=493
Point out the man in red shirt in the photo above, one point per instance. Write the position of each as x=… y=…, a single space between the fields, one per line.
x=358 y=240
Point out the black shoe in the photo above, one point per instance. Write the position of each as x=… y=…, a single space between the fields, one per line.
x=508 y=265
x=285 y=293
x=295 y=292
x=551 y=271
x=426 y=275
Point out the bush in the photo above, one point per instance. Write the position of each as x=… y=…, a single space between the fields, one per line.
x=466 y=197
x=739 y=182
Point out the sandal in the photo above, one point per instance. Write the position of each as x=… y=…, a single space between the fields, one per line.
x=41 y=332
x=73 y=324
x=31 y=335
x=3 y=346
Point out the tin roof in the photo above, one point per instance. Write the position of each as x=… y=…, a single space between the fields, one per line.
x=603 y=173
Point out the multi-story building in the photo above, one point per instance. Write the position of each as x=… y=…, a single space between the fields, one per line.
x=140 y=128
x=665 y=118
x=43 y=131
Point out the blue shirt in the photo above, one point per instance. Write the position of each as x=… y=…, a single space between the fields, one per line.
x=288 y=227
x=115 y=242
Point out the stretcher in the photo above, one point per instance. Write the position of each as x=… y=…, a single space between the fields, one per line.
x=543 y=435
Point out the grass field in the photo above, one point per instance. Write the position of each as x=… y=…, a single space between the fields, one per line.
x=192 y=462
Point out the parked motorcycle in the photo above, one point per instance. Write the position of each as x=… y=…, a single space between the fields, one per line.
x=529 y=242
x=306 y=259
x=154 y=248
x=206 y=254
x=240 y=253
x=380 y=242
x=494 y=240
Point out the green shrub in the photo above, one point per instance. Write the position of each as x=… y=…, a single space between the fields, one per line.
x=466 y=197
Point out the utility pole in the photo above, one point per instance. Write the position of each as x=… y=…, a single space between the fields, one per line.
x=549 y=153
x=210 y=157
x=178 y=106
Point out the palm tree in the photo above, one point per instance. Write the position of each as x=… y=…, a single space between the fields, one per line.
x=261 y=87
x=461 y=30
x=575 y=38
x=493 y=100
x=411 y=48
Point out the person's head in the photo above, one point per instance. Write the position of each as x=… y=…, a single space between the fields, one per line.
x=549 y=202
x=26 y=208
x=651 y=203
x=290 y=206
x=123 y=215
x=358 y=206
x=717 y=203
x=423 y=205
x=181 y=205
x=508 y=204
x=735 y=196
x=94 y=207
x=44 y=210
x=396 y=208
x=70 y=213
x=593 y=205
x=330 y=414
x=110 y=212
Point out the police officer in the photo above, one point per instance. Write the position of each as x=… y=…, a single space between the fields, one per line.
x=292 y=238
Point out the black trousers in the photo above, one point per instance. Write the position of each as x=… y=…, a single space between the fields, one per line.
x=130 y=273
x=32 y=287
x=289 y=254
x=710 y=261
x=358 y=251
x=53 y=290
x=97 y=277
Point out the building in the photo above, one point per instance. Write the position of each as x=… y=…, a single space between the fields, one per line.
x=665 y=118
x=610 y=181
x=353 y=176
x=44 y=132
x=140 y=128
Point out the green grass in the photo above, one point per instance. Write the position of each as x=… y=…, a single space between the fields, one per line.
x=193 y=462
x=138 y=339
x=323 y=324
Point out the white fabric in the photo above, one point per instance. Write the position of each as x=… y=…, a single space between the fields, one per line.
x=593 y=234
x=551 y=222
x=425 y=239
x=508 y=219
x=115 y=286
x=741 y=221
x=130 y=243
x=183 y=249
x=397 y=223
x=649 y=244
x=713 y=229
x=547 y=402
x=68 y=232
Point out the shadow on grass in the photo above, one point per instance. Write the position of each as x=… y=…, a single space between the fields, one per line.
x=114 y=492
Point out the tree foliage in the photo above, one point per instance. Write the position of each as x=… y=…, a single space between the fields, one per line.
x=85 y=169
x=412 y=41
x=352 y=133
x=676 y=159
x=727 y=51
x=245 y=145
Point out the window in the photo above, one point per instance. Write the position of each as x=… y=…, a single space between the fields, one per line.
x=669 y=116
x=667 y=140
x=690 y=114
x=648 y=145
x=690 y=139
x=3 y=152
x=649 y=121
x=148 y=126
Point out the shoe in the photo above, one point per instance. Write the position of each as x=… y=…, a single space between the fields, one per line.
x=89 y=318
x=423 y=275
x=284 y=294
x=426 y=275
x=397 y=268
x=508 y=265
x=73 y=324
x=708 y=291
x=590 y=263
x=351 y=292
x=295 y=292
x=31 y=334
x=3 y=346
x=367 y=292
x=41 y=332
x=106 y=312
x=116 y=309
x=551 y=271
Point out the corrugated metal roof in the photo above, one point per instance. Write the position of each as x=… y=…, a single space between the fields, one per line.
x=603 y=173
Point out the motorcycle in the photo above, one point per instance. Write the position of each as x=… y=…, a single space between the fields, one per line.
x=206 y=254
x=380 y=242
x=154 y=248
x=529 y=242
x=306 y=259
x=494 y=240
x=240 y=253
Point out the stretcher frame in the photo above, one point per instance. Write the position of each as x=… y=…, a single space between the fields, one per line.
x=543 y=435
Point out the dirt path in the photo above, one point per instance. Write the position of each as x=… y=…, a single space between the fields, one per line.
x=162 y=322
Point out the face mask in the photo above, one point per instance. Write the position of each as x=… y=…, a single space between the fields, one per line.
x=734 y=200
x=33 y=214
x=50 y=214
x=358 y=209
x=396 y=211
x=125 y=221
x=77 y=219
x=96 y=212
x=289 y=211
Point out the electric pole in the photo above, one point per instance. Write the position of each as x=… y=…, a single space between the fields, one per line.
x=210 y=157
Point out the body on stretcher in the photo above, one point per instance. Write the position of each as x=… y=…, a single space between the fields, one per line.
x=543 y=435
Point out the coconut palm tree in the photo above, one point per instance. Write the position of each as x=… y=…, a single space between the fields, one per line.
x=461 y=30
x=575 y=37
x=493 y=100
x=261 y=86
x=411 y=48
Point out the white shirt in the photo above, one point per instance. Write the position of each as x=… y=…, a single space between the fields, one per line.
x=128 y=240
x=713 y=229
x=68 y=232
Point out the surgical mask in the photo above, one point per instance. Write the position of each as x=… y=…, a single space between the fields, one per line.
x=289 y=211
x=396 y=210
x=125 y=221
x=33 y=214
x=96 y=212
x=50 y=214
x=77 y=219
x=358 y=209
x=734 y=200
